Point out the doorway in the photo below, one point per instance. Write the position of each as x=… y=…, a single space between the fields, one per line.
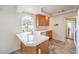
x=70 y=26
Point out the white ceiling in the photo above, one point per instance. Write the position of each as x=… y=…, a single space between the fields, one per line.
x=53 y=9
x=49 y=9
x=34 y=9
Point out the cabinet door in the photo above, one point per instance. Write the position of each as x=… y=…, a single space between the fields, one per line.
x=23 y=48
x=44 y=47
x=47 y=20
x=42 y=21
x=28 y=49
x=49 y=34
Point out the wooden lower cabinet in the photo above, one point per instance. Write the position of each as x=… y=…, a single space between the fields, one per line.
x=35 y=49
x=44 y=47
x=49 y=34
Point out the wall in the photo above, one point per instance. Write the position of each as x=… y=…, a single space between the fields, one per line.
x=59 y=31
x=9 y=26
x=77 y=33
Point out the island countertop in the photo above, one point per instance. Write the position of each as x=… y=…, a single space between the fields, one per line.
x=34 y=39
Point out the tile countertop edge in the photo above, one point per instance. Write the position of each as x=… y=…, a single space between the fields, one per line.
x=40 y=31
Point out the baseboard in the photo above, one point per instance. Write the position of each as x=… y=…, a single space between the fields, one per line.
x=14 y=50
x=60 y=40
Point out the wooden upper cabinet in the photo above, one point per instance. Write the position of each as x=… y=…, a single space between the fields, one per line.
x=42 y=20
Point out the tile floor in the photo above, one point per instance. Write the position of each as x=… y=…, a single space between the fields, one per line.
x=58 y=47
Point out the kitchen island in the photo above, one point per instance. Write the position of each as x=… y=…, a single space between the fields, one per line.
x=37 y=43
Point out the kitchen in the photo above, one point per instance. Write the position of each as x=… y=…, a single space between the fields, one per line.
x=34 y=29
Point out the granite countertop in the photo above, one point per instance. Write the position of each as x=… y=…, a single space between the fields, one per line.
x=34 y=39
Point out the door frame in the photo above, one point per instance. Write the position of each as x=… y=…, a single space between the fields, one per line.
x=65 y=24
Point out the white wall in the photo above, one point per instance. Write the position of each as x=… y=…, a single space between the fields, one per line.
x=77 y=33
x=9 y=26
x=59 y=31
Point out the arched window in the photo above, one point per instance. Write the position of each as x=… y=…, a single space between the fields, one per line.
x=27 y=23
